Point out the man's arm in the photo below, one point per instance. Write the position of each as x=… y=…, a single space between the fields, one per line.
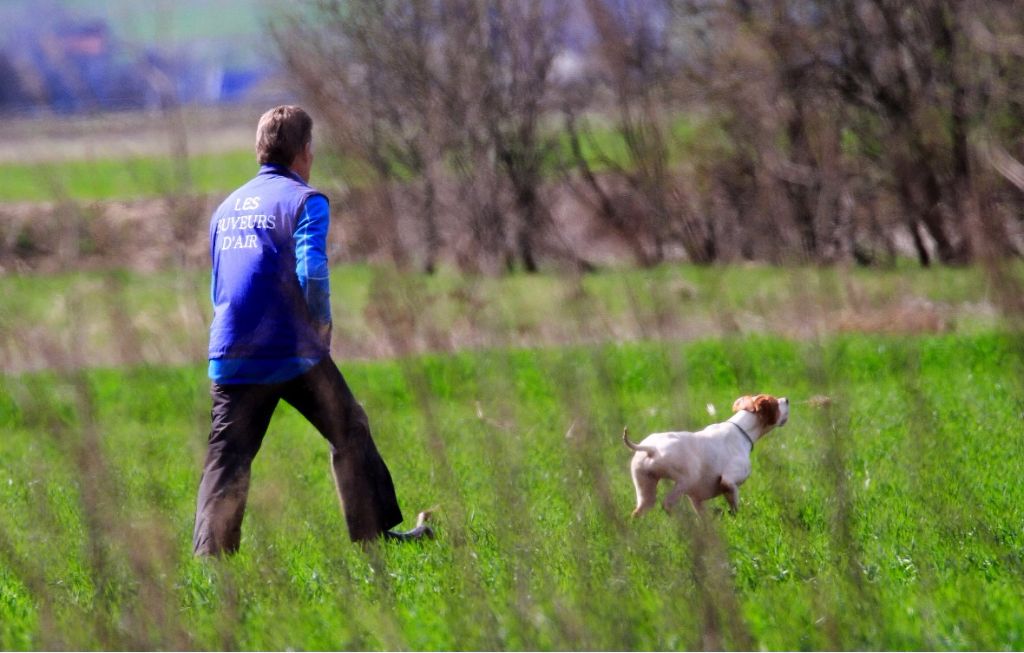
x=311 y=262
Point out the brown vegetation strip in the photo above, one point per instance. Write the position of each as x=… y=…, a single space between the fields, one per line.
x=111 y=321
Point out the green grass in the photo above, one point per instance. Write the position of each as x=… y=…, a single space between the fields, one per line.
x=892 y=518
x=157 y=176
x=118 y=179
x=151 y=176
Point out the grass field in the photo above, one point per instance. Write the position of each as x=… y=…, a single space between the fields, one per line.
x=113 y=179
x=221 y=158
x=891 y=518
x=117 y=318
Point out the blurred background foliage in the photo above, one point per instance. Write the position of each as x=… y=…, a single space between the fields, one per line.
x=551 y=219
x=494 y=135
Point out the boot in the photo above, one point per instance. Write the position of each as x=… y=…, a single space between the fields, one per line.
x=422 y=531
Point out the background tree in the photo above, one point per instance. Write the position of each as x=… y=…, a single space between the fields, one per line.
x=777 y=130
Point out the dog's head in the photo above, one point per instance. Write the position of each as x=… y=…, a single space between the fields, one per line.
x=771 y=411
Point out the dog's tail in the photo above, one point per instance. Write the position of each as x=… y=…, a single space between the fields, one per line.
x=650 y=451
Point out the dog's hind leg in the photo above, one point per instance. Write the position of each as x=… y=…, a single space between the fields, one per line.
x=673 y=497
x=646 y=491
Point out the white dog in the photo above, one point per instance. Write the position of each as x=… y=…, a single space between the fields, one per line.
x=707 y=463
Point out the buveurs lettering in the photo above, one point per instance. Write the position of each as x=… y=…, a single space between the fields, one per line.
x=247 y=222
x=253 y=221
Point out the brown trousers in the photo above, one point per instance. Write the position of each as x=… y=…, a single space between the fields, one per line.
x=240 y=417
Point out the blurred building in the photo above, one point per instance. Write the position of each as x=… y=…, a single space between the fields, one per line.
x=70 y=65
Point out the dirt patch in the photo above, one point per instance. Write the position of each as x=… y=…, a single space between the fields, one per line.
x=140 y=235
x=170 y=233
x=913 y=315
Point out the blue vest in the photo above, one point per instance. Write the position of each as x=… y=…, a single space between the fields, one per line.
x=259 y=310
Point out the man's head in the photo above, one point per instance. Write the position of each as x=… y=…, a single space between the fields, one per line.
x=284 y=137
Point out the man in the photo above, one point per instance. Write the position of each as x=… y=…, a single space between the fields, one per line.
x=270 y=340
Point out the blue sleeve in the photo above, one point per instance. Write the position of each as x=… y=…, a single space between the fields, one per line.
x=311 y=260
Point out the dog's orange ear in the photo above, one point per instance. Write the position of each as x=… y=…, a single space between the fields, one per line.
x=746 y=402
x=767 y=409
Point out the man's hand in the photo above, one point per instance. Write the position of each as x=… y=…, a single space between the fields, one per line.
x=323 y=330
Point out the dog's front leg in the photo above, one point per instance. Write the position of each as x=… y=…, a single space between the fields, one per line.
x=698 y=506
x=731 y=491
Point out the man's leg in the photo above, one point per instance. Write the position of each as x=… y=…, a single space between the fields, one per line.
x=239 y=420
x=364 y=483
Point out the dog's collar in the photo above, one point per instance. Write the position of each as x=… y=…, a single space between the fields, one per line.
x=745 y=434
